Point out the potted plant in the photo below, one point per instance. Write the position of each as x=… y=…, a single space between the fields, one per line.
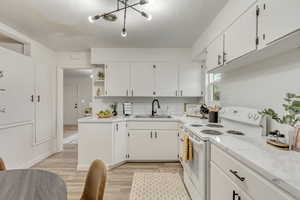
x=291 y=116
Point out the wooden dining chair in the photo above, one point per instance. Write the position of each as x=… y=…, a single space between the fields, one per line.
x=2 y=165
x=95 y=182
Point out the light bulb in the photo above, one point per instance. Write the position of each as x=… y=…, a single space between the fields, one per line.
x=149 y=18
x=124 y=33
x=91 y=19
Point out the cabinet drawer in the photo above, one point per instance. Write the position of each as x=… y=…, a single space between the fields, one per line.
x=152 y=125
x=249 y=181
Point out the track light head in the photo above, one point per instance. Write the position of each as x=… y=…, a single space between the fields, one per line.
x=143 y=2
x=148 y=16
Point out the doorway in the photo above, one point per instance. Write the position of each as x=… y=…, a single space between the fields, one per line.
x=77 y=99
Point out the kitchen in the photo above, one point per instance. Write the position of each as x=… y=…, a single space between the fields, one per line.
x=212 y=112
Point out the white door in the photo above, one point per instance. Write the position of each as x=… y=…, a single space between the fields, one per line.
x=278 y=19
x=70 y=104
x=120 y=141
x=142 y=79
x=240 y=38
x=214 y=56
x=221 y=187
x=166 y=80
x=117 y=79
x=140 y=145
x=44 y=109
x=190 y=78
x=165 y=145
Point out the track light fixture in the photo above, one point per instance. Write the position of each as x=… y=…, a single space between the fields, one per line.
x=122 y=5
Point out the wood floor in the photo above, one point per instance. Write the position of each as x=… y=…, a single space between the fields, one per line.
x=119 y=179
x=70 y=130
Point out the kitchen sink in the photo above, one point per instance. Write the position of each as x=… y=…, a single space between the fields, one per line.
x=155 y=116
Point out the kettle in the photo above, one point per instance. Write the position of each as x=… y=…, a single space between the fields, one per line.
x=204 y=109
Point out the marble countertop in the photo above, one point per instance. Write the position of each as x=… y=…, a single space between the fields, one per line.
x=282 y=168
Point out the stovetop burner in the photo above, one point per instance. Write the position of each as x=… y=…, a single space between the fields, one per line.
x=196 y=125
x=233 y=132
x=211 y=132
x=215 y=125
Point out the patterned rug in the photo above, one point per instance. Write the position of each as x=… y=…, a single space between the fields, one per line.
x=158 y=186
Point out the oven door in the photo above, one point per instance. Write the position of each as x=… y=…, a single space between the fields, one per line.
x=196 y=169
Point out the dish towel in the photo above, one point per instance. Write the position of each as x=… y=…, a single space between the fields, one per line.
x=187 y=149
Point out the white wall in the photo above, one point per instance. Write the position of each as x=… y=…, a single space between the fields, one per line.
x=264 y=84
x=16 y=143
x=84 y=85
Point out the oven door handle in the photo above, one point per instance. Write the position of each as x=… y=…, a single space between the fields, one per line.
x=195 y=141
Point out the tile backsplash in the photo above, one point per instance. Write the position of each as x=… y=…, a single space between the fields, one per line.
x=141 y=105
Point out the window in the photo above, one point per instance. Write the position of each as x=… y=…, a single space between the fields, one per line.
x=213 y=89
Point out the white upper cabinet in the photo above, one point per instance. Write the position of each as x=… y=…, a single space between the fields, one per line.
x=278 y=19
x=215 y=52
x=117 y=77
x=166 y=80
x=190 y=78
x=240 y=38
x=142 y=79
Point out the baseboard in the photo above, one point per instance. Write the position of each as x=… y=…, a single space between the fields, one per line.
x=110 y=166
x=36 y=160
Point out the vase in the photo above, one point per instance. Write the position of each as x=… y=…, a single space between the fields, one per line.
x=292 y=133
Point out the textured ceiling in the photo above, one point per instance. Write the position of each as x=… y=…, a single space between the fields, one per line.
x=62 y=24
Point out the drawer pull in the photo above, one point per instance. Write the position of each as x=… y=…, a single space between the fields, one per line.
x=236 y=174
x=234 y=194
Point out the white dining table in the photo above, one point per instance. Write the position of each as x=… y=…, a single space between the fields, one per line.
x=31 y=184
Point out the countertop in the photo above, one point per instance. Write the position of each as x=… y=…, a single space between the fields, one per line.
x=282 y=168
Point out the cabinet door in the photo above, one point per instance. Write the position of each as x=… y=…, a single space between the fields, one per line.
x=190 y=80
x=240 y=38
x=215 y=50
x=166 y=80
x=165 y=145
x=140 y=145
x=221 y=187
x=279 y=18
x=44 y=104
x=16 y=87
x=142 y=79
x=117 y=79
x=120 y=142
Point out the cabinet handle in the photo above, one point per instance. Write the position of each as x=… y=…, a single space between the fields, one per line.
x=127 y=93
x=151 y=134
x=181 y=93
x=117 y=127
x=176 y=93
x=224 y=57
x=155 y=134
x=2 y=90
x=31 y=98
x=219 y=59
x=39 y=98
x=234 y=194
x=236 y=174
x=1 y=74
x=131 y=92
x=3 y=110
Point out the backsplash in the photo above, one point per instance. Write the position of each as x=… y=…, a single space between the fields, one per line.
x=170 y=106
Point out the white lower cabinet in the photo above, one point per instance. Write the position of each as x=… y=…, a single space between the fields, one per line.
x=221 y=187
x=229 y=175
x=152 y=145
x=120 y=136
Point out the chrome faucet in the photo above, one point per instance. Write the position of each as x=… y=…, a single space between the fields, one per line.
x=158 y=106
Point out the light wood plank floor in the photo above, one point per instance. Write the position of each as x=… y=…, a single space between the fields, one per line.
x=119 y=179
x=70 y=130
